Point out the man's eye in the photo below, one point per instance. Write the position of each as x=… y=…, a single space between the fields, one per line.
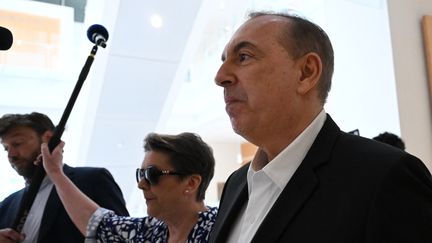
x=17 y=144
x=243 y=57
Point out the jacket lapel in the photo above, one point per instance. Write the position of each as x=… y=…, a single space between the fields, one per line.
x=229 y=209
x=50 y=212
x=10 y=208
x=300 y=187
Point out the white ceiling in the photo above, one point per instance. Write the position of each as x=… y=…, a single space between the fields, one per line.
x=139 y=84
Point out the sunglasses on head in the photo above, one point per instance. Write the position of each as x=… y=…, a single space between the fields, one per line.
x=151 y=174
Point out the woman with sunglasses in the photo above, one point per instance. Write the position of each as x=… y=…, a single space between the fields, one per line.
x=174 y=176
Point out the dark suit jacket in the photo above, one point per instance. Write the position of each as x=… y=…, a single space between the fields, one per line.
x=56 y=226
x=347 y=189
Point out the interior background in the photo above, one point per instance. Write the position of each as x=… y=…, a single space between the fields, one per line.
x=160 y=78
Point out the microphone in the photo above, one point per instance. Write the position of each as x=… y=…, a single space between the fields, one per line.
x=98 y=35
x=6 y=39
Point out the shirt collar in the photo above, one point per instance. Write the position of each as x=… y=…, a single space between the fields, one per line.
x=283 y=166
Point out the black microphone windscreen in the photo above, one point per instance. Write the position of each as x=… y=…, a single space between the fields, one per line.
x=96 y=30
x=6 y=38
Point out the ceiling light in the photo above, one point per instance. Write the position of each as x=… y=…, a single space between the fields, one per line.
x=222 y=5
x=156 y=21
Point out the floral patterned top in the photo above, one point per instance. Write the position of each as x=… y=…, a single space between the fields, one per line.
x=105 y=226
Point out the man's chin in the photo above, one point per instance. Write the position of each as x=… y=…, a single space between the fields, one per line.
x=237 y=128
x=19 y=169
x=25 y=172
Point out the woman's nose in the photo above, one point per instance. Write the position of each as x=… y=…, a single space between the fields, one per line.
x=143 y=185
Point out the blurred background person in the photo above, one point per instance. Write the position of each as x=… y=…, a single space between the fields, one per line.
x=21 y=136
x=390 y=138
x=174 y=176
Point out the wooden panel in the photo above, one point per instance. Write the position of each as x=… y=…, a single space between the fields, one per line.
x=220 y=186
x=427 y=35
x=36 y=40
x=248 y=151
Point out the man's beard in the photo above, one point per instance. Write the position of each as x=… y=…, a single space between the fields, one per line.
x=27 y=171
x=30 y=171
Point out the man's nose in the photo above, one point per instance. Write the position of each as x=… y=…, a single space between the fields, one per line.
x=225 y=76
x=11 y=152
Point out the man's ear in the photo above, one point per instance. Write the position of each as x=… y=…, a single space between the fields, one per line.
x=46 y=136
x=311 y=69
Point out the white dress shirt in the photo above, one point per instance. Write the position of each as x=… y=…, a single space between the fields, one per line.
x=32 y=224
x=265 y=185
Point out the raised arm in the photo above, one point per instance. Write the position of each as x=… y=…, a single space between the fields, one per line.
x=79 y=207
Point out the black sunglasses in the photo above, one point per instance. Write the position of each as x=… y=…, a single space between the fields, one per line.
x=151 y=174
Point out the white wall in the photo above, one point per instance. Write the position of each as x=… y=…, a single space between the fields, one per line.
x=363 y=94
x=411 y=75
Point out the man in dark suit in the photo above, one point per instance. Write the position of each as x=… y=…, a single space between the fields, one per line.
x=22 y=135
x=309 y=181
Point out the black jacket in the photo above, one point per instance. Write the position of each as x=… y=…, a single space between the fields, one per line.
x=56 y=226
x=347 y=189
